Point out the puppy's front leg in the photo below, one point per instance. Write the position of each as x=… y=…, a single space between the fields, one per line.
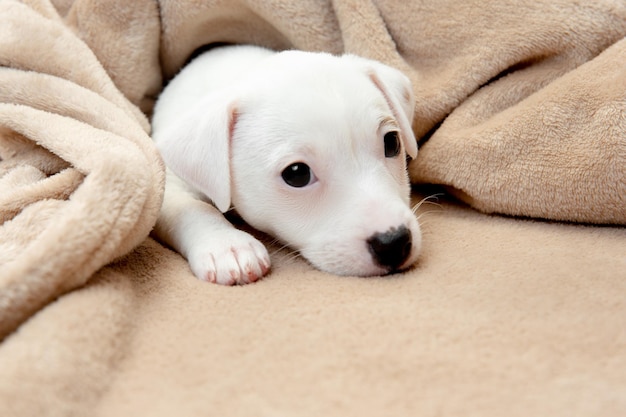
x=215 y=250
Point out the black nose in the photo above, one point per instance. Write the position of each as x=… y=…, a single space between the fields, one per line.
x=392 y=248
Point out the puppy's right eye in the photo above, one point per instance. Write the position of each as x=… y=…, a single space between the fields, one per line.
x=298 y=175
x=392 y=144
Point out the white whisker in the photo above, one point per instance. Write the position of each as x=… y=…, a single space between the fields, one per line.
x=425 y=200
x=279 y=249
x=425 y=213
x=293 y=255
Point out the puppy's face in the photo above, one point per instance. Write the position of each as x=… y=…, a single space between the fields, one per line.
x=318 y=160
x=311 y=149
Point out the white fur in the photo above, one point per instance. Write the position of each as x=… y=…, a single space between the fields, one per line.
x=236 y=117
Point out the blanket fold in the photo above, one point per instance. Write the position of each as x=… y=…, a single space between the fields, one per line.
x=557 y=152
x=80 y=178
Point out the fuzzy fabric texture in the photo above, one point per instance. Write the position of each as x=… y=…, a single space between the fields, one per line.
x=520 y=111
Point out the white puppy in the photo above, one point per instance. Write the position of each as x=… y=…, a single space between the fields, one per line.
x=307 y=147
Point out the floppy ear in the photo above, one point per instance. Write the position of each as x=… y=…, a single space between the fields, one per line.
x=397 y=90
x=197 y=148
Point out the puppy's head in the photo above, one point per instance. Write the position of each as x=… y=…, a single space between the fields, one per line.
x=311 y=149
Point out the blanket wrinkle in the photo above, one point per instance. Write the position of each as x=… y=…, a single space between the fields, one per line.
x=520 y=111
x=275 y=24
x=45 y=8
x=365 y=32
x=563 y=156
x=25 y=44
x=103 y=307
x=52 y=266
x=133 y=30
x=470 y=46
x=75 y=117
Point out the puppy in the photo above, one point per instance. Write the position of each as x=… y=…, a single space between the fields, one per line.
x=307 y=147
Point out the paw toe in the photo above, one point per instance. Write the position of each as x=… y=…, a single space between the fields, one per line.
x=241 y=261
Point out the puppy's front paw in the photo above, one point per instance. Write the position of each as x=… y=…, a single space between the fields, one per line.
x=229 y=257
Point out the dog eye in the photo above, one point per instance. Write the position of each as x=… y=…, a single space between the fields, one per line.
x=298 y=175
x=392 y=144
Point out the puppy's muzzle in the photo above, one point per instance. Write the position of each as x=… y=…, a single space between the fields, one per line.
x=392 y=248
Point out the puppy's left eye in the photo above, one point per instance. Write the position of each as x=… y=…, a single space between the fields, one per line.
x=392 y=144
x=298 y=175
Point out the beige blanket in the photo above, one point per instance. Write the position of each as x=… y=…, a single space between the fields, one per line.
x=521 y=111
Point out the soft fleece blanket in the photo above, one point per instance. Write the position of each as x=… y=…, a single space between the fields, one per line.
x=521 y=111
